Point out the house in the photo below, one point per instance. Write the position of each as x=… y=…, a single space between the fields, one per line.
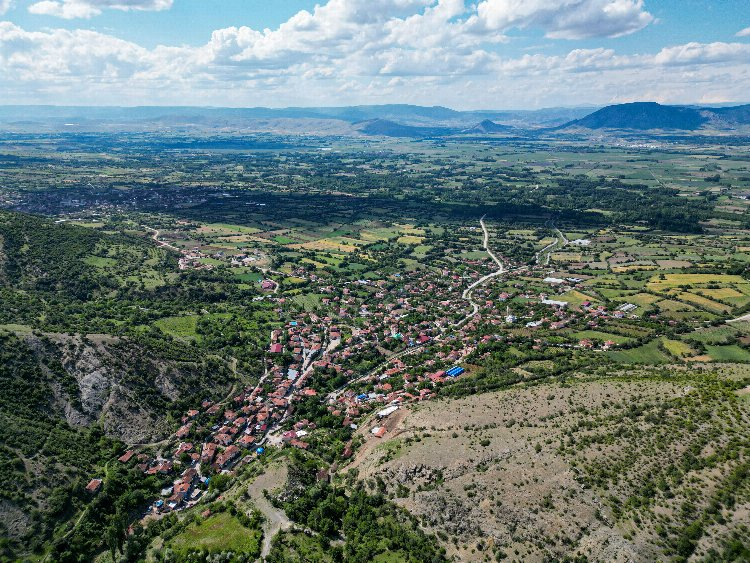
x=183 y=431
x=226 y=457
x=246 y=441
x=183 y=448
x=276 y=348
x=182 y=490
x=387 y=411
x=94 y=486
x=208 y=453
x=299 y=444
x=378 y=431
x=124 y=458
x=223 y=439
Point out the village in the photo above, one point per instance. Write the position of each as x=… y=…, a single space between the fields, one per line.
x=356 y=369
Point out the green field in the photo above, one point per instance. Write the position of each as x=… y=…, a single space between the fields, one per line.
x=299 y=547
x=221 y=532
x=598 y=335
x=180 y=327
x=677 y=348
x=249 y=277
x=732 y=353
x=308 y=301
x=647 y=354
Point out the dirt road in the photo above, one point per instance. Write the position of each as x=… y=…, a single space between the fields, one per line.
x=276 y=520
x=155 y=238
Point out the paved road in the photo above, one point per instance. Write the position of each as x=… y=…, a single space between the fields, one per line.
x=467 y=294
x=560 y=237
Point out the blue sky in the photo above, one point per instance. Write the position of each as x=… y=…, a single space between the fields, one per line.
x=464 y=54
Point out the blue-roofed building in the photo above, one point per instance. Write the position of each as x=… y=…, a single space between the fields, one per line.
x=455 y=371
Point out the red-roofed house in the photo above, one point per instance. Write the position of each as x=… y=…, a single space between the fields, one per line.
x=124 y=458
x=94 y=486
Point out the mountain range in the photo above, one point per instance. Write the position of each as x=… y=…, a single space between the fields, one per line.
x=394 y=120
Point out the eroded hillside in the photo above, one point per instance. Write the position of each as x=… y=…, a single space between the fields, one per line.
x=636 y=467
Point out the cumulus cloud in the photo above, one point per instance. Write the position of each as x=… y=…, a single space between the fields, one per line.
x=371 y=51
x=744 y=32
x=565 y=19
x=72 y=9
x=5 y=5
x=703 y=53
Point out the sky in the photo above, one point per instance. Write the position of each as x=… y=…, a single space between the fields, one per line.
x=464 y=54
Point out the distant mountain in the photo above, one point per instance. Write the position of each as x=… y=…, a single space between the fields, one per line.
x=391 y=120
x=488 y=126
x=735 y=115
x=295 y=120
x=387 y=128
x=644 y=116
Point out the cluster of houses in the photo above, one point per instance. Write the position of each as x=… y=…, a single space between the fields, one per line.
x=363 y=332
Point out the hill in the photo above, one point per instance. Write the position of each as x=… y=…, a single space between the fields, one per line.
x=84 y=373
x=387 y=128
x=644 y=116
x=488 y=126
x=545 y=488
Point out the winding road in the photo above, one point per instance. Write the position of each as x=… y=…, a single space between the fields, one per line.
x=155 y=238
x=560 y=237
x=467 y=294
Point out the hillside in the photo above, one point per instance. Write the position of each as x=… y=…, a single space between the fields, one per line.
x=644 y=116
x=601 y=468
x=487 y=126
x=387 y=128
x=73 y=400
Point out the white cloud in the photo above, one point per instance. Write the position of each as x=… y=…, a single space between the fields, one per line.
x=703 y=53
x=744 y=32
x=372 y=51
x=5 y=5
x=565 y=19
x=72 y=9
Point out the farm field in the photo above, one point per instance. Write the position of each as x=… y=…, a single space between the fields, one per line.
x=219 y=533
x=276 y=305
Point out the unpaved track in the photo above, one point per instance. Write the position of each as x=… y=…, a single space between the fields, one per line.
x=276 y=520
x=161 y=243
